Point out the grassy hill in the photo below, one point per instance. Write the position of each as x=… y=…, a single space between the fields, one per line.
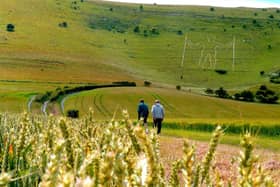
x=108 y=102
x=57 y=42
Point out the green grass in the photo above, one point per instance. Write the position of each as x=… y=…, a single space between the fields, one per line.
x=178 y=105
x=92 y=47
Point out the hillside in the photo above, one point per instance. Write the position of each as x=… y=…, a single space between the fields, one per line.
x=61 y=42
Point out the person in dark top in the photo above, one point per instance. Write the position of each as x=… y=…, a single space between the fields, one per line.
x=143 y=111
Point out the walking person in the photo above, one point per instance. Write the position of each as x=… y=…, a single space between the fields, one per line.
x=158 y=115
x=143 y=112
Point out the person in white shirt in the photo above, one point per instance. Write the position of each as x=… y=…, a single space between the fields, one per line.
x=158 y=115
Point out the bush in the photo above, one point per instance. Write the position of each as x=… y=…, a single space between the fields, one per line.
x=271 y=16
x=145 y=33
x=147 y=83
x=212 y=9
x=237 y=96
x=179 y=32
x=247 y=95
x=261 y=73
x=10 y=27
x=209 y=91
x=221 y=93
x=73 y=113
x=221 y=71
x=136 y=29
x=178 y=87
x=269 y=46
x=155 y=31
x=275 y=80
x=63 y=24
x=141 y=7
x=264 y=95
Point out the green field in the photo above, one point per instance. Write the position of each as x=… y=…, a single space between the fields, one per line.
x=178 y=104
x=99 y=43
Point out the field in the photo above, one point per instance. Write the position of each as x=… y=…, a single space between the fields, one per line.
x=58 y=44
x=56 y=151
x=178 y=104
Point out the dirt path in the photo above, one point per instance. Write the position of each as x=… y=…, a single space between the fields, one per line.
x=171 y=149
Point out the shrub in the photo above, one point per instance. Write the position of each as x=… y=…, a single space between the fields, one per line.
x=73 y=113
x=179 y=32
x=145 y=33
x=63 y=24
x=212 y=9
x=271 y=16
x=209 y=91
x=265 y=95
x=277 y=11
x=154 y=31
x=147 y=83
x=10 y=27
x=254 y=21
x=237 y=96
x=275 y=80
x=221 y=71
x=247 y=95
x=261 y=73
x=222 y=93
x=255 y=14
x=269 y=46
x=136 y=29
x=141 y=7
x=178 y=87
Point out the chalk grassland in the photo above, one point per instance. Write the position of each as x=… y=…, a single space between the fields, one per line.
x=41 y=50
x=99 y=43
x=178 y=104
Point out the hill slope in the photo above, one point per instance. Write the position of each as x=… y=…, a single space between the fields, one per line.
x=103 y=41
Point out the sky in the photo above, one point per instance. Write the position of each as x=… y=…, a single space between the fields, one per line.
x=220 y=3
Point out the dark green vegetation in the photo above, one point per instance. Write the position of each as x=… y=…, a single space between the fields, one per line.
x=262 y=95
x=54 y=96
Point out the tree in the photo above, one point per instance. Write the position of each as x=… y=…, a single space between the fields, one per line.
x=265 y=95
x=247 y=95
x=178 y=87
x=63 y=24
x=209 y=91
x=10 y=27
x=136 y=29
x=212 y=9
x=179 y=32
x=147 y=83
x=141 y=7
x=221 y=93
